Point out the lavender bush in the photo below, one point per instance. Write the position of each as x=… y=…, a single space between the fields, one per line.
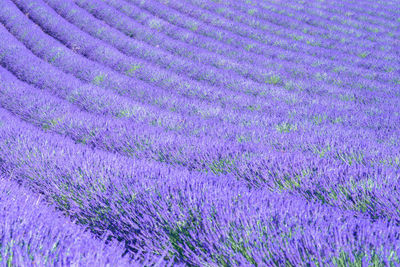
x=199 y=133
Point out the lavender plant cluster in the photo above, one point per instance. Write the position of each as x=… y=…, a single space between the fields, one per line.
x=199 y=133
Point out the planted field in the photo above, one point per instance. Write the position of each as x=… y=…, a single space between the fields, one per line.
x=199 y=133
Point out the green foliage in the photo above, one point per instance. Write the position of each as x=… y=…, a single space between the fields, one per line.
x=351 y=157
x=249 y=47
x=252 y=11
x=57 y=55
x=222 y=166
x=124 y=113
x=51 y=123
x=254 y=107
x=155 y=23
x=99 y=79
x=273 y=79
x=286 y=127
x=100 y=31
x=133 y=69
x=347 y=97
x=318 y=119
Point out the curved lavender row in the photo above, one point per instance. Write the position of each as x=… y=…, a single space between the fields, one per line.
x=124 y=108
x=257 y=47
x=102 y=12
x=175 y=32
x=355 y=24
x=352 y=21
x=254 y=104
x=34 y=234
x=58 y=55
x=66 y=121
x=207 y=14
x=99 y=51
x=364 y=57
x=125 y=138
x=65 y=177
x=345 y=13
x=279 y=15
x=77 y=15
x=220 y=129
x=20 y=68
x=264 y=40
x=358 y=30
x=313 y=182
x=385 y=17
x=132 y=139
x=86 y=96
x=305 y=35
x=158 y=146
x=129 y=46
x=179 y=48
x=183 y=209
x=382 y=7
x=130 y=71
x=131 y=27
x=96 y=8
x=392 y=6
x=360 y=20
x=285 y=77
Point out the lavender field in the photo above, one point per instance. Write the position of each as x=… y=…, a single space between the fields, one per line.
x=199 y=133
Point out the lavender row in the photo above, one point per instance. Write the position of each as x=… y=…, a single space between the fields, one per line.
x=19 y=68
x=58 y=55
x=75 y=64
x=214 y=133
x=11 y=49
x=213 y=45
x=184 y=212
x=296 y=176
x=207 y=74
x=314 y=181
x=284 y=13
x=105 y=54
x=289 y=77
x=358 y=25
x=285 y=126
x=316 y=50
x=88 y=97
x=143 y=142
x=386 y=15
x=309 y=35
x=352 y=23
x=258 y=78
x=131 y=139
x=12 y=62
x=246 y=70
x=108 y=15
x=340 y=16
x=130 y=71
x=34 y=234
x=228 y=37
x=206 y=13
x=242 y=115
x=360 y=56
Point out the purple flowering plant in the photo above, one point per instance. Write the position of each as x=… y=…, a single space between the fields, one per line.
x=199 y=133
